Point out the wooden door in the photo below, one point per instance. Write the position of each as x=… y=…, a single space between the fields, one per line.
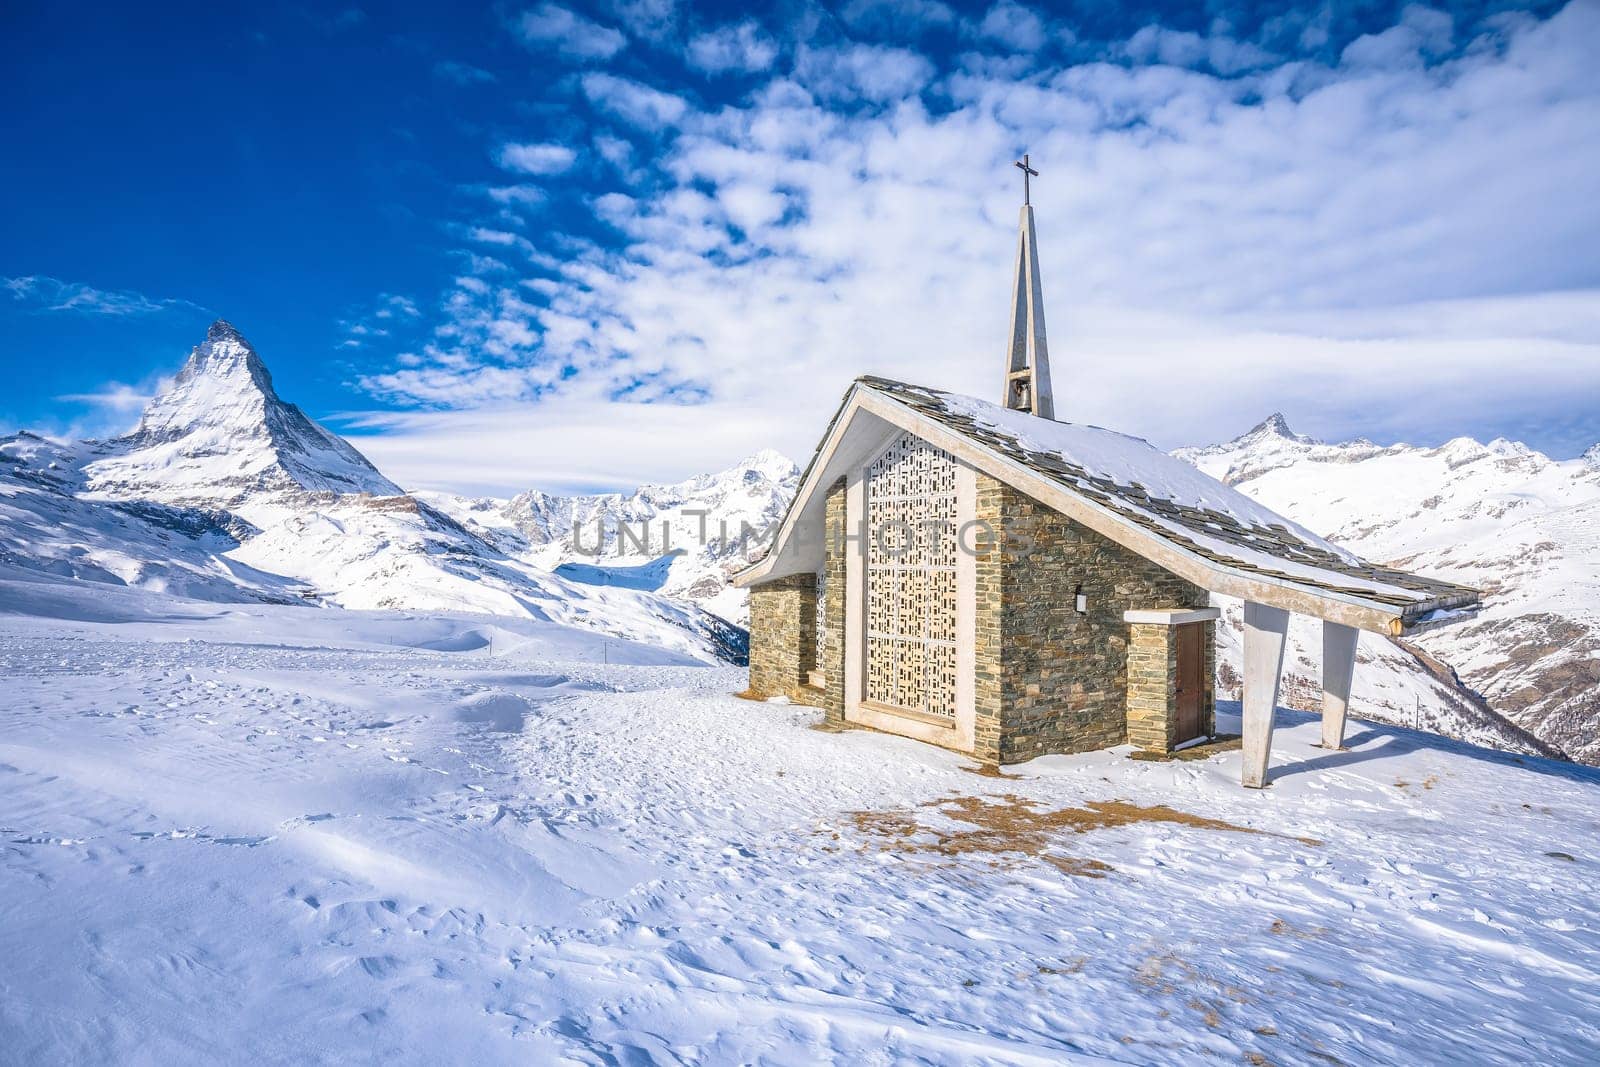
x=1189 y=715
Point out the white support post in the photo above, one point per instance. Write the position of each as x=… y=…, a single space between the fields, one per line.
x=1265 y=630
x=1338 y=671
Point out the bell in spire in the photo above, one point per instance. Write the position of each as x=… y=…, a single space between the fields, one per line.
x=1027 y=356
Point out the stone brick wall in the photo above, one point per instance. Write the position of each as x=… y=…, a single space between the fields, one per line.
x=783 y=637
x=1048 y=679
x=1152 y=686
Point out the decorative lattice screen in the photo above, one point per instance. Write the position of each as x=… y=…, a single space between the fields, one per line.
x=911 y=578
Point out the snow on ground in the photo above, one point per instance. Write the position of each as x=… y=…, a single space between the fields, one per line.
x=283 y=834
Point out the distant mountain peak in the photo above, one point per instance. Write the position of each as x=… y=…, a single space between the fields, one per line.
x=1275 y=425
x=1591 y=455
x=223 y=330
x=224 y=356
x=770 y=462
x=221 y=429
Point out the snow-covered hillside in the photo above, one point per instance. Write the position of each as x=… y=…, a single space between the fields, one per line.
x=249 y=833
x=226 y=492
x=682 y=540
x=1500 y=516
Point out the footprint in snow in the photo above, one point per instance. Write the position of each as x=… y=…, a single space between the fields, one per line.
x=494 y=710
x=380 y=966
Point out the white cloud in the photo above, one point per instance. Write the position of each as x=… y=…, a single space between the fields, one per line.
x=517 y=195
x=1421 y=33
x=614 y=150
x=1224 y=54
x=874 y=73
x=539 y=159
x=109 y=411
x=1014 y=26
x=573 y=446
x=650 y=20
x=897 y=17
x=484 y=235
x=117 y=397
x=741 y=47
x=392 y=306
x=390 y=311
x=558 y=29
x=42 y=293
x=633 y=102
x=1380 y=253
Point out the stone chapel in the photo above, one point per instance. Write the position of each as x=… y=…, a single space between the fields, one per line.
x=982 y=577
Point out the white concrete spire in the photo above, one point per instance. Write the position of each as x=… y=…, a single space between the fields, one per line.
x=1027 y=385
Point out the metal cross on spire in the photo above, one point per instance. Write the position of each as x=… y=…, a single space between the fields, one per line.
x=1027 y=354
x=1027 y=172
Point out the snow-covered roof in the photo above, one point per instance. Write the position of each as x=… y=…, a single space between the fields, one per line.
x=1143 y=492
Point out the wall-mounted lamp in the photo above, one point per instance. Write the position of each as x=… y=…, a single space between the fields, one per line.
x=1081 y=601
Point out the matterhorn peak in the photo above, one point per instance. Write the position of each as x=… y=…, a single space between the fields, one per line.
x=223 y=330
x=226 y=356
x=220 y=431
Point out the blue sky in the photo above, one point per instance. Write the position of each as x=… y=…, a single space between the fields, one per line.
x=581 y=245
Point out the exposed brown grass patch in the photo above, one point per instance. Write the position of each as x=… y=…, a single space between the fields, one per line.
x=1284 y=928
x=751 y=694
x=1073 y=966
x=1079 y=866
x=1167 y=974
x=989 y=770
x=1012 y=826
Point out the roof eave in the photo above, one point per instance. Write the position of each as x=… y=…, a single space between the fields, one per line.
x=1345 y=608
x=758 y=569
x=1348 y=609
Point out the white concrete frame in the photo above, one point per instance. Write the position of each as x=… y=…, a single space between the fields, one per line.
x=1172 y=616
x=1338 y=672
x=961 y=733
x=1265 y=630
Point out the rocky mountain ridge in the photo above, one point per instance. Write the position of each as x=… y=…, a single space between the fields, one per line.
x=227 y=492
x=1498 y=516
x=682 y=540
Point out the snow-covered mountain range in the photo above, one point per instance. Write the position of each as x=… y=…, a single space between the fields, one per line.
x=226 y=492
x=682 y=540
x=1501 y=517
x=1526 y=542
